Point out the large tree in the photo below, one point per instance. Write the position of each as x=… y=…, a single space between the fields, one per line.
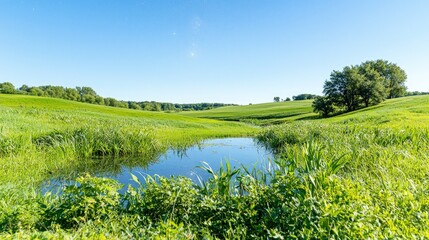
x=323 y=106
x=87 y=94
x=393 y=77
x=363 y=85
x=7 y=87
x=371 y=90
x=343 y=87
x=71 y=94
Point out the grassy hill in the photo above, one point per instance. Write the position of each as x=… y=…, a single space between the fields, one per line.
x=366 y=171
x=360 y=175
x=27 y=114
x=265 y=113
x=399 y=111
x=47 y=135
x=41 y=135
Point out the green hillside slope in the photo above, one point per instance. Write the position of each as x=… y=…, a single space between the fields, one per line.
x=264 y=113
x=398 y=113
x=360 y=175
x=46 y=135
x=366 y=171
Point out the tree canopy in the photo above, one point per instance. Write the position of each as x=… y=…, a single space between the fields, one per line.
x=89 y=95
x=304 y=96
x=362 y=85
x=7 y=87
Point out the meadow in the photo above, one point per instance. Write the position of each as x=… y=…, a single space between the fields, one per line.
x=43 y=137
x=259 y=114
x=353 y=176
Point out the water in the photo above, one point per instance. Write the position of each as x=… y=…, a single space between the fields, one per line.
x=238 y=151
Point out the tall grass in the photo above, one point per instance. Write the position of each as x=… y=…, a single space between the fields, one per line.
x=41 y=138
x=329 y=181
x=349 y=177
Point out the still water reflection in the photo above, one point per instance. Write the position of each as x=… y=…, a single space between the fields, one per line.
x=238 y=151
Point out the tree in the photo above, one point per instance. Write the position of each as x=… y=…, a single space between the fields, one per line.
x=122 y=104
x=111 y=102
x=71 y=94
x=396 y=82
x=54 y=91
x=371 y=89
x=323 y=105
x=7 y=88
x=287 y=99
x=24 y=89
x=304 y=96
x=414 y=93
x=133 y=105
x=343 y=87
x=36 y=91
x=88 y=98
x=99 y=100
x=276 y=99
x=393 y=77
x=363 y=85
x=91 y=94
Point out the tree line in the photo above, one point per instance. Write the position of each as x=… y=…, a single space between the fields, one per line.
x=359 y=86
x=299 y=97
x=88 y=95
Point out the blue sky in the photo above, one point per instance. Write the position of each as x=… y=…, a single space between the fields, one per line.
x=242 y=51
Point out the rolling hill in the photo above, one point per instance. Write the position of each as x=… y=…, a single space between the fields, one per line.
x=263 y=114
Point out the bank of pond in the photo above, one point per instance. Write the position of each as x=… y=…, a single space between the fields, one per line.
x=242 y=152
x=302 y=180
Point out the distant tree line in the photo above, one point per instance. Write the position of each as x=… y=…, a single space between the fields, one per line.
x=359 y=86
x=88 y=95
x=303 y=96
x=278 y=99
x=415 y=93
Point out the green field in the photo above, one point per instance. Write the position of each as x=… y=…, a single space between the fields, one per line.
x=360 y=175
x=393 y=113
x=27 y=122
x=261 y=114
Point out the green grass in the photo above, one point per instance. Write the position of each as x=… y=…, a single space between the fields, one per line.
x=398 y=112
x=43 y=137
x=394 y=113
x=380 y=182
x=360 y=175
x=263 y=114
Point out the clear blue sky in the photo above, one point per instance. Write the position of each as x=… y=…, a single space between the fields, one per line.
x=207 y=50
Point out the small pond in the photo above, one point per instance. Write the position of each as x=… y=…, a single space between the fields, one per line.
x=238 y=151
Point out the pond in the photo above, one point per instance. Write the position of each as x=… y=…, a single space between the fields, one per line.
x=237 y=151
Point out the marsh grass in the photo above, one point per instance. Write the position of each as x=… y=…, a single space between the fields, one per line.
x=42 y=138
x=387 y=166
x=355 y=176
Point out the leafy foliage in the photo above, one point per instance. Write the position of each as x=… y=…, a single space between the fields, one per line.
x=361 y=85
x=323 y=106
x=90 y=199
x=88 y=95
x=362 y=175
x=7 y=87
x=304 y=96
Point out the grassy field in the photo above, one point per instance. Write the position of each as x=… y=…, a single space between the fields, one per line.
x=261 y=114
x=393 y=113
x=40 y=137
x=360 y=175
